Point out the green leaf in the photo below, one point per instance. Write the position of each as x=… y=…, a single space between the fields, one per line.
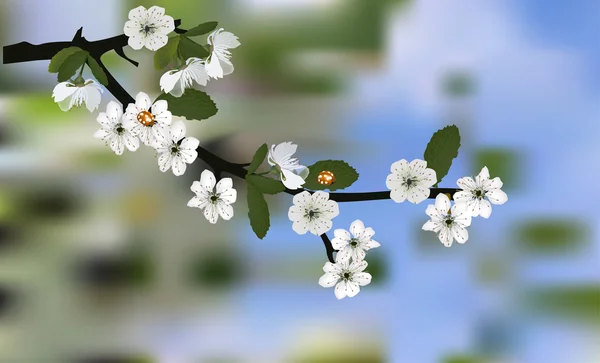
x=193 y=105
x=60 y=57
x=576 y=302
x=201 y=29
x=258 y=211
x=441 y=149
x=165 y=55
x=265 y=185
x=97 y=71
x=71 y=64
x=189 y=48
x=259 y=157
x=345 y=175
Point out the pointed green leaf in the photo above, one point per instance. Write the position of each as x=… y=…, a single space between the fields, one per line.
x=165 y=55
x=259 y=157
x=441 y=149
x=60 y=57
x=189 y=48
x=258 y=211
x=71 y=64
x=97 y=71
x=202 y=29
x=193 y=105
x=345 y=175
x=265 y=185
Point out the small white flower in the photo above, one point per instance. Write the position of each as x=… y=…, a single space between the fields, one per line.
x=217 y=203
x=218 y=63
x=176 y=81
x=177 y=150
x=410 y=181
x=347 y=277
x=68 y=94
x=449 y=224
x=354 y=246
x=150 y=121
x=313 y=212
x=291 y=172
x=474 y=192
x=148 y=28
x=115 y=131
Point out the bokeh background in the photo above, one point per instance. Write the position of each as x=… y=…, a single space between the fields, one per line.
x=102 y=261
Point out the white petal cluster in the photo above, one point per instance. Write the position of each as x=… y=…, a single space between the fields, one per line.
x=214 y=203
x=448 y=222
x=347 y=277
x=115 y=130
x=177 y=81
x=69 y=94
x=353 y=244
x=313 y=212
x=218 y=63
x=150 y=121
x=475 y=192
x=292 y=174
x=148 y=28
x=177 y=150
x=410 y=181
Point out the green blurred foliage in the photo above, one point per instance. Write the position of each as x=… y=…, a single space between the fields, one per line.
x=552 y=235
x=502 y=163
x=580 y=303
x=493 y=268
x=35 y=110
x=378 y=267
x=462 y=359
x=458 y=84
x=350 y=357
x=218 y=268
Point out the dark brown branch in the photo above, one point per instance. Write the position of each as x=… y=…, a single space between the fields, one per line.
x=328 y=247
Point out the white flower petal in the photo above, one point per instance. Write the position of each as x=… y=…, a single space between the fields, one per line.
x=362 y=278
x=210 y=213
x=352 y=289
x=179 y=166
x=319 y=226
x=328 y=280
x=430 y=226
x=164 y=161
x=177 y=131
x=485 y=208
x=445 y=237
x=332 y=268
x=442 y=203
x=225 y=210
x=131 y=142
x=224 y=184
x=466 y=183
x=291 y=180
x=495 y=183
x=342 y=235
x=197 y=202
x=228 y=196
x=93 y=97
x=138 y=14
x=116 y=144
x=399 y=195
x=213 y=67
x=358 y=254
x=63 y=90
x=132 y=28
x=207 y=180
x=462 y=197
x=143 y=102
x=417 y=194
x=156 y=41
x=302 y=199
x=497 y=196
x=330 y=210
x=340 y=290
x=169 y=79
x=484 y=174
x=197 y=71
x=460 y=234
x=357 y=227
x=136 y=42
x=343 y=254
x=102 y=134
x=300 y=226
x=358 y=266
x=400 y=167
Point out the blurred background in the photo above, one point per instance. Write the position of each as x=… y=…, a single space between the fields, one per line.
x=102 y=261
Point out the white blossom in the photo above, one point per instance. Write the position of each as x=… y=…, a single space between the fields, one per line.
x=148 y=28
x=354 y=245
x=177 y=81
x=215 y=203
x=115 y=130
x=150 y=121
x=218 y=63
x=410 y=181
x=313 y=212
x=475 y=191
x=448 y=223
x=177 y=150
x=346 y=277
x=293 y=175
x=69 y=94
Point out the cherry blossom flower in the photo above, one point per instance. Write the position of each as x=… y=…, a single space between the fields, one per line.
x=218 y=63
x=148 y=28
x=69 y=94
x=410 y=181
x=475 y=191
x=346 y=277
x=176 y=81
x=177 y=150
x=292 y=174
x=354 y=245
x=215 y=203
x=115 y=131
x=313 y=212
x=151 y=121
x=448 y=223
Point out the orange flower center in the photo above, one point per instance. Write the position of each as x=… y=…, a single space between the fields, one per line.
x=145 y=118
